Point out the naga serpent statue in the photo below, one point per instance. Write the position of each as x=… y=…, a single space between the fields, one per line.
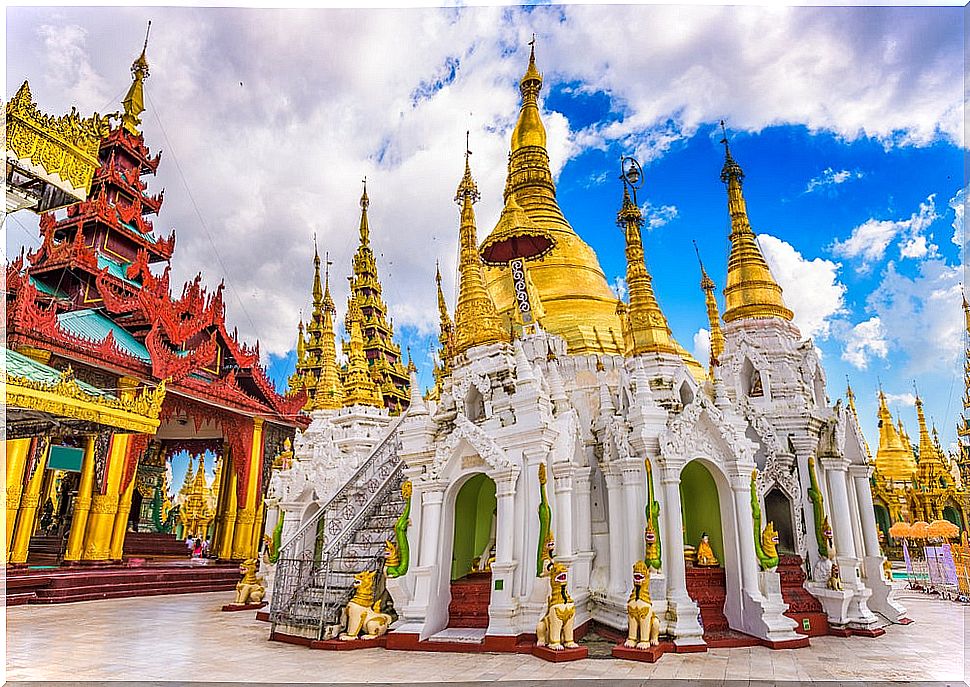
x=545 y=519
x=815 y=494
x=651 y=541
x=765 y=545
x=398 y=554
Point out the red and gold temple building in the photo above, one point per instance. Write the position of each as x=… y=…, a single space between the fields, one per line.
x=120 y=371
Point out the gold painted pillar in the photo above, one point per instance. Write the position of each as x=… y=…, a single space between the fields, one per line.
x=104 y=507
x=28 y=509
x=224 y=548
x=257 y=529
x=82 y=504
x=242 y=538
x=120 y=527
x=17 y=451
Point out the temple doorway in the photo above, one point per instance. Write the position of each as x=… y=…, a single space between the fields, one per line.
x=952 y=514
x=701 y=515
x=704 y=548
x=474 y=537
x=473 y=550
x=778 y=511
x=883 y=522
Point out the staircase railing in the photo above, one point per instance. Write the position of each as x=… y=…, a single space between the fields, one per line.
x=306 y=559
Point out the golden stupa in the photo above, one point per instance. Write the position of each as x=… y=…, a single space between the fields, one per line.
x=576 y=299
x=578 y=302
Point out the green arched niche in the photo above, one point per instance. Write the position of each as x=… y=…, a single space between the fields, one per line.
x=701 y=508
x=475 y=507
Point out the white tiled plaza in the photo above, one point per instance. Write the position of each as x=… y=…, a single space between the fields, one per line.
x=186 y=637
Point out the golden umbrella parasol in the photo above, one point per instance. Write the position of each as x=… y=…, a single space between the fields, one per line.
x=901 y=530
x=942 y=529
x=919 y=530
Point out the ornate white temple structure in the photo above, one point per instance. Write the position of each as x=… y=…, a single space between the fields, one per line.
x=569 y=426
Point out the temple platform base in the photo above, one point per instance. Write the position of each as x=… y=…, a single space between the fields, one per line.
x=649 y=655
x=244 y=607
x=560 y=656
x=349 y=644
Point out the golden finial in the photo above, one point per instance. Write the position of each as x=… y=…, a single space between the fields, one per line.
x=134 y=102
x=317 y=288
x=467 y=188
x=364 y=226
x=359 y=387
x=713 y=315
x=647 y=330
x=411 y=366
x=476 y=319
x=751 y=291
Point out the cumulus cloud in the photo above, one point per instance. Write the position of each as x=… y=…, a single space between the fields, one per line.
x=904 y=399
x=866 y=339
x=958 y=204
x=655 y=217
x=811 y=288
x=922 y=315
x=619 y=287
x=702 y=346
x=271 y=118
x=869 y=240
x=829 y=177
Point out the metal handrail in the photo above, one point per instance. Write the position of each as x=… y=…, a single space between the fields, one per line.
x=353 y=479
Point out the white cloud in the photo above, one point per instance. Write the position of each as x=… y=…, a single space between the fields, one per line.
x=655 y=217
x=904 y=399
x=866 y=339
x=922 y=315
x=869 y=240
x=811 y=288
x=958 y=204
x=274 y=116
x=619 y=287
x=829 y=177
x=702 y=346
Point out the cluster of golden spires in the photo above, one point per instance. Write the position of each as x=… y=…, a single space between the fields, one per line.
x=197 y=498
x=894 y=457
x=328 y=387
x=567 y=285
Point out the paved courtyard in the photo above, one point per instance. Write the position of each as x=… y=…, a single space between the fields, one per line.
x=186 y=637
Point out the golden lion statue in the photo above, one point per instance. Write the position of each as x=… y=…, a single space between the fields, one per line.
x=644 y=623
x=555 y=629
x=363 y=613
x=252 y=587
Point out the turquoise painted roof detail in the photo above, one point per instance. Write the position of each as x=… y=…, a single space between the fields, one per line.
x=134 y=230
x=115 y=269
x=92 y=325
x=19 y=365
x=45 y=288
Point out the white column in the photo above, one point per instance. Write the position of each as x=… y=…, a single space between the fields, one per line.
x=635 y=517
x=618 y=527
x=431 y=501
x=562 y=474
x=505 y=521
x=741 y=488
x=841 y=514
x=581 y=497
x=683 y=625
x=867 y=515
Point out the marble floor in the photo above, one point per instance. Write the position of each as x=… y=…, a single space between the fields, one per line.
x=186 y=637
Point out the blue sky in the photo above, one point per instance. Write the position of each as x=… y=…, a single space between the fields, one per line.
x=847 y=122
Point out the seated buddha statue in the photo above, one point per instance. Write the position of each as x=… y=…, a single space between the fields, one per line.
x=705 y=554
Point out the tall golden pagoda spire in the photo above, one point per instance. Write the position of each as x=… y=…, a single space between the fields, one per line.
x=931 y=468
x=569 y=282
x=713 y=316
x=446 y=338
x=850 y=397
x=647 y=330
x=382 y=354
x=894 y=458
x=476 y=320
x=134 y=102
x=751 y=291
x=328 y=393
x=359 y=388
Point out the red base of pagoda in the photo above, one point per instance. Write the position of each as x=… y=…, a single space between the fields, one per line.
x=561 y=656
x=349 y=644
x=649 y=655
x=262 y=616
x=244 y=607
